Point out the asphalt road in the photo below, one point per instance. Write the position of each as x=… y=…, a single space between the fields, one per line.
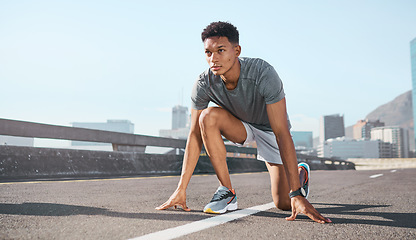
x=361 y=204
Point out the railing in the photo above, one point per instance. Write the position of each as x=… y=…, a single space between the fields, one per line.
x=127 y=142
x=120 y=141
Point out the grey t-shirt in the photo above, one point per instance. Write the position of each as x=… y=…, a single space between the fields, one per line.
x=257 y=86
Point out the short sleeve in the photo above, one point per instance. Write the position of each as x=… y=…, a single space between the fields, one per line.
x=199 y=97
x=270 y=86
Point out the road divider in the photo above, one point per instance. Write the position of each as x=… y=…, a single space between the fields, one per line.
x=197 y=226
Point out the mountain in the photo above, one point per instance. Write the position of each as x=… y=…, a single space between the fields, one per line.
x=398 y=112
x=395 y=113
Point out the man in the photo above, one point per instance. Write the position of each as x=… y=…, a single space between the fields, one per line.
x=252 y=107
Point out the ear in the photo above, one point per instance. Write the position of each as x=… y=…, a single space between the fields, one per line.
x=237 y=49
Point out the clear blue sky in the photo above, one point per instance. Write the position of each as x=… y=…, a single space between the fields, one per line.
x=89 y=61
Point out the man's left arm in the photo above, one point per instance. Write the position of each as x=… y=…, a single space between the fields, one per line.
x=278 y=120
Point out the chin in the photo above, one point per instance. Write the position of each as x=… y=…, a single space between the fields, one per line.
x=215 y=73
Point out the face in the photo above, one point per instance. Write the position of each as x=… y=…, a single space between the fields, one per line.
x=221 y=55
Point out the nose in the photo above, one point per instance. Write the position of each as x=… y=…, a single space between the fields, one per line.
x=214 y=57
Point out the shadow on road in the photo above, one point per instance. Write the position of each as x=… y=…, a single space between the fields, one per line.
x=53 y=209
x=344 y=212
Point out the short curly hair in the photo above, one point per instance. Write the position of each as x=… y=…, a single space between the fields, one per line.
x=221 y=29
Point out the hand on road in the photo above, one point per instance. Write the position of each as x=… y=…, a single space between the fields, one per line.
x=178 y=198
x=301 y=205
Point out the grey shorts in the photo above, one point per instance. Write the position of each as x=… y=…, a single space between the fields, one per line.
x=267 y=149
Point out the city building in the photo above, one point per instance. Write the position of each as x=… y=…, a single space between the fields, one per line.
x=180 y=124
x=181 y=133
x=179 y=117
x=397 y=136
x=413 y=67
x=345 y=148
x=124 y=126
x=302 y=139
x=331 y=126
x=362 y=129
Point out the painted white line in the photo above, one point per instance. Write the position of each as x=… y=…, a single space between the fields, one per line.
x=393 y=170
x=183 y=230
x=376 y=176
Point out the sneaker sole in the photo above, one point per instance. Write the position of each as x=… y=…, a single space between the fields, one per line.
x=229 y=207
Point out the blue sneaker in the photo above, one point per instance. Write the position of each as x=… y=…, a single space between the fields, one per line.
x=224 y=199
x=305 y=184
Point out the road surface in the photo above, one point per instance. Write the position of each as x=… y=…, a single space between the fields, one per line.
x=379 y=204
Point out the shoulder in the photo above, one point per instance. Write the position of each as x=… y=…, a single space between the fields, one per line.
x=254 y=66
x=254 y=63
x=258 y=70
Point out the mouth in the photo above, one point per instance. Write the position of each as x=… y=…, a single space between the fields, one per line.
x=215 y=68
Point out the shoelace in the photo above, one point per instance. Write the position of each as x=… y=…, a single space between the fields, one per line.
x=221 y=195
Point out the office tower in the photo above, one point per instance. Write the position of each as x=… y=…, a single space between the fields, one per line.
x=413 y=67
x=124 y=126
x=331 y=126
x=179 y=117
x=362 y=129
x=180 y=126
x=397 y=136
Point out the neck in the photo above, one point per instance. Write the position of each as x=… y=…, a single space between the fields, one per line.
x=231 y=77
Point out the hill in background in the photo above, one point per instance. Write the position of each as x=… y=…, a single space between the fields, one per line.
x=398 y=112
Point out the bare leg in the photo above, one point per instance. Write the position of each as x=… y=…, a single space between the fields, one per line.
x=279 y=186
x=214 y=122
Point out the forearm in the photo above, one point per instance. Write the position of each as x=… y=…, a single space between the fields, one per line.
x=289 y=159
x=192 y=152
x=279 y=123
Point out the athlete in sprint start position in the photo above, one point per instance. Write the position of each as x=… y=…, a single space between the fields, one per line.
x=251 y=107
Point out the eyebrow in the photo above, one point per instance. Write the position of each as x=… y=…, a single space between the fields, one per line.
x=220 y=46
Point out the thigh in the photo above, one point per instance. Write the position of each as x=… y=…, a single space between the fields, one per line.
x=230 y=127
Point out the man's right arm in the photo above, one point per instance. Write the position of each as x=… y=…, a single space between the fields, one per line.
x=192 y=152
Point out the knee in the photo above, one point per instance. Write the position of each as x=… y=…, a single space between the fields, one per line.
x=209 y=117
x=283 y=204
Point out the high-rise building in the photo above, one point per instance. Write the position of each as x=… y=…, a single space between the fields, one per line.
x=331 y=126
x=179 y=117
x=397 y=136
x=124 y=126
x=180 y=124
x=362 y=129
x=413 y=67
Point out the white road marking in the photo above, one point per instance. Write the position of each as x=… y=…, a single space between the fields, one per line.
x=393 y=170
x=376 y=176
x=183 y=230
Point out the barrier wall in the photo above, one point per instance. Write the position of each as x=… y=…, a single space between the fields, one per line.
x=30 y=162
x=383 y=163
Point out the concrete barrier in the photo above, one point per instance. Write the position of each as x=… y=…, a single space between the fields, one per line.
x=29 y=162
x=383 y=163
x=127 y=157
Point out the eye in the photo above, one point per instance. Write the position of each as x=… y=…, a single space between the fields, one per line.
x=208 y=53
x=221 y=50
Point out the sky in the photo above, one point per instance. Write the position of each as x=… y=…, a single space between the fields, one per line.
x=90 y=61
